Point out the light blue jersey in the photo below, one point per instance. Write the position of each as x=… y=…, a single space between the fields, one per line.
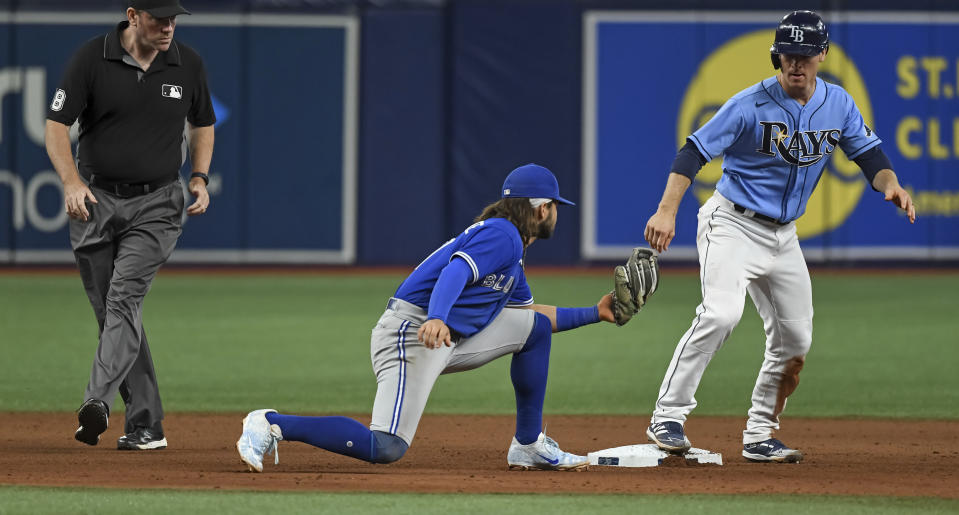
x=775 y=149
x=493 y=250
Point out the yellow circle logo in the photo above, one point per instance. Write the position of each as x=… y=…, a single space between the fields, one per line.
x=744 y=61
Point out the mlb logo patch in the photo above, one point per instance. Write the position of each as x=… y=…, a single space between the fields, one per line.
x=58 y=99
x=171 y=91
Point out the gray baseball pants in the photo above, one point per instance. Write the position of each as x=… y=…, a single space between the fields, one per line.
x=118 y=251
x=406 y=369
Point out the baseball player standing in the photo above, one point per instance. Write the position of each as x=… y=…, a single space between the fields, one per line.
x=132 y=89
x=776 y=137
x=448 y=316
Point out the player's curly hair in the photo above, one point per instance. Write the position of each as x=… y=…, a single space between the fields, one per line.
x=518 y=211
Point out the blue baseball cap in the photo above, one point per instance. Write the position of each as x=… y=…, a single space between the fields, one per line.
x=533 y=181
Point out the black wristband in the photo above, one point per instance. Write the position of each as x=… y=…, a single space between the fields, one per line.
x=205 y=177
x=871 y=161
x=688 y=161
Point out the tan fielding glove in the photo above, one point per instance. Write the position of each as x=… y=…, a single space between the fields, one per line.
x=633 y=283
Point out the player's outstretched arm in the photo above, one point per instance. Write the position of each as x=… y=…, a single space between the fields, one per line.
x=887 y=183
x=545 y=309
x=564 y=319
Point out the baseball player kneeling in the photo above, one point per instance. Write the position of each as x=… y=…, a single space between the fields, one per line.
x=448 y=316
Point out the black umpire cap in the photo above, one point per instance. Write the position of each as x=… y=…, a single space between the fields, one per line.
x=159 y=8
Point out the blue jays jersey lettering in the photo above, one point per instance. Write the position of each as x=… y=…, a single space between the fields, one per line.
x=494 y=252
x=775 y=150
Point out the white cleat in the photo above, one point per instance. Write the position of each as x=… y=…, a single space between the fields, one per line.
x=258 y=439
x=543 y=454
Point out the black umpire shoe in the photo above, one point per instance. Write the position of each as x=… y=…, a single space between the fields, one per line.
x=143 y=439
x=93 y=417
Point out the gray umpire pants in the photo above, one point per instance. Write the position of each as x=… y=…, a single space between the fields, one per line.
x=118 y=251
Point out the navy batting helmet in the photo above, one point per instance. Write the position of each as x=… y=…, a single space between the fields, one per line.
x=799 y=33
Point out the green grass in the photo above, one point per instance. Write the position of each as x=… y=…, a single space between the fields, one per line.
x=28 y=500
x=884 y=346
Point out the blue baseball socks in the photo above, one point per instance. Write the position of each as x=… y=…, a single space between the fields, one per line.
x=529 y=370
x=341 y=435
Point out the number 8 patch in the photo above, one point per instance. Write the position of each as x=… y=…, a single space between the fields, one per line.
x=58 y=100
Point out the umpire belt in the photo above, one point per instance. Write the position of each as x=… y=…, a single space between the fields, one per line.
x=127 y=189
x=758 y=216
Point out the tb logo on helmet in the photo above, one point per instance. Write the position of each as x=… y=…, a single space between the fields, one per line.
x=796 y=34
x=799 y=33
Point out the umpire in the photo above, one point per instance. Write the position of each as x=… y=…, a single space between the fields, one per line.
x=133 y=90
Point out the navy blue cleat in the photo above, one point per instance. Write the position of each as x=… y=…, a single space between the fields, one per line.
x=668 y=436
x=771 y=450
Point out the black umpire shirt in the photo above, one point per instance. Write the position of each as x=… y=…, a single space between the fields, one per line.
x=131 y=121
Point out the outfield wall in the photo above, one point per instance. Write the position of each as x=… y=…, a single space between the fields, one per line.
x=369 y=133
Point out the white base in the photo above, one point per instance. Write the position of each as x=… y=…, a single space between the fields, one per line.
x=648 y=455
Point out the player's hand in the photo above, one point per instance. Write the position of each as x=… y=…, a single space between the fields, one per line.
x=75 y=196
x=198 y=189
x=434 y=333
x=660 y=230
x=900 y=197
x=605 y=306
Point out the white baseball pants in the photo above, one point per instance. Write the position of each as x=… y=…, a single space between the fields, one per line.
x=738 y=255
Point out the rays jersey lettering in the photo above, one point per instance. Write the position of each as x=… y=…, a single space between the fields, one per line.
x=494 y=252
x=801 y=148
x=775 y=150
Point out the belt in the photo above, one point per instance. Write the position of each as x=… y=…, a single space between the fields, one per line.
x=758 y=216
x=123 y=189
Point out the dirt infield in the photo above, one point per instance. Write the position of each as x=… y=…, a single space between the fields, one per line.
x=468 y=454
